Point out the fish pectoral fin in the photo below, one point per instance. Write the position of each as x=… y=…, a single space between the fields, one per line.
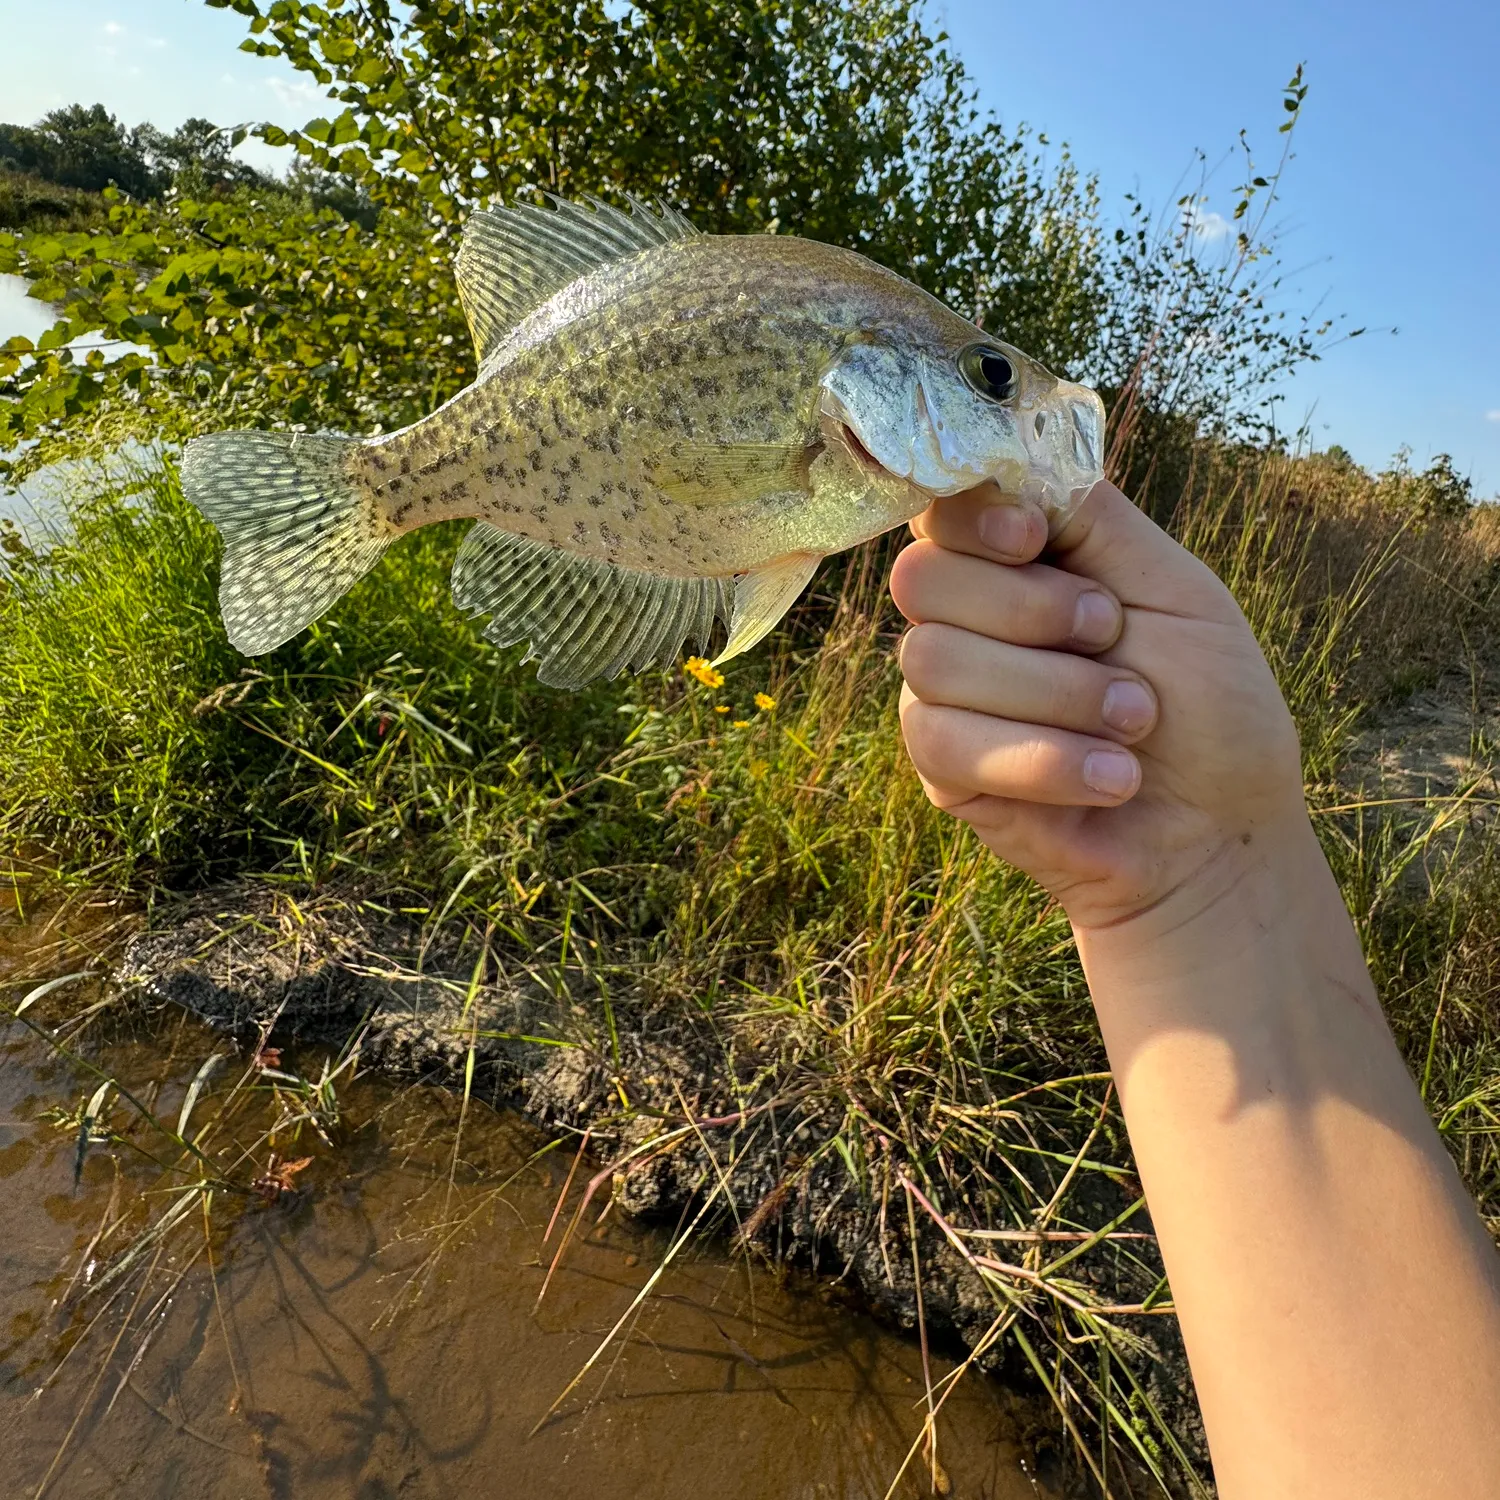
x=762 y=597
x=513 y=259
x=706 y=473
x=581 y=618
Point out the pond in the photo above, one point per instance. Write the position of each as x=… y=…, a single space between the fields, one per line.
x=37 y=506
x=378 y=1332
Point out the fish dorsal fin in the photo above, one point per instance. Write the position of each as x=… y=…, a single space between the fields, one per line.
x=581 y=618
x=513 y=259
x=763 y=596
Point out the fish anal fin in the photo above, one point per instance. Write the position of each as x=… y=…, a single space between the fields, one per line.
x=581 y=618
x=763 y=596
x=695 y=472
x=513 y=259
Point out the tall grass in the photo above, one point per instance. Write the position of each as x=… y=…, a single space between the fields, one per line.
x=769 y=863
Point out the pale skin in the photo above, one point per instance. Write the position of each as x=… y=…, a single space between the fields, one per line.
x=1337 y=1291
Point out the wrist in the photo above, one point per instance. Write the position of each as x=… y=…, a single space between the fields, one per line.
x=1267 y=899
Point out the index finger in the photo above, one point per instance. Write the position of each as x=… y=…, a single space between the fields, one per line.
x=984 y=523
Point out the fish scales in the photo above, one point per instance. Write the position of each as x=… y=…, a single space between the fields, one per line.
x=665 y=428
x=690 y=343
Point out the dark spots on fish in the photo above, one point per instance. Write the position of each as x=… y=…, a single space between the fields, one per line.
x=746 y=378
x=395 y=485
x=405 y=464
x=534 y=458
x=575 y=464
x=541 y=513
x=400 y=513
x=378 y=462
x=580 y=533
x=612 y=538
x=705 y=386
x=596 y=500
x=607 y=487
x=593 y=397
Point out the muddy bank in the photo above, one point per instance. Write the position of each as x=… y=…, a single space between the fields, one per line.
x=675 y=1117
x=378 y=1332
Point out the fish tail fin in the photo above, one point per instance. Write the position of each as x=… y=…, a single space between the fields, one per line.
x=299 y=528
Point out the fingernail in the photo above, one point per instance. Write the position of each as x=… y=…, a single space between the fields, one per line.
x=1128 y=706
x=1096 y=619
x=1004 y=529
x=1111 y=773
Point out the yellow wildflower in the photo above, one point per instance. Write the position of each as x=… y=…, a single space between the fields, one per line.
x=721 y=708
x=741 y=724
x=758 y=768
x=699 y=667
x=765 y=701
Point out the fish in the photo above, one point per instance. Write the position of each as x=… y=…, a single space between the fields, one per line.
x=667 y=429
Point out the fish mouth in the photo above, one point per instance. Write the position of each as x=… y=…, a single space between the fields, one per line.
x=858 y=452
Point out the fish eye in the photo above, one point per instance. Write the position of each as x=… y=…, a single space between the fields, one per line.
x=987 y=372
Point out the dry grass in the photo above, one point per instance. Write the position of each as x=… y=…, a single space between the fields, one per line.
x=776 y=869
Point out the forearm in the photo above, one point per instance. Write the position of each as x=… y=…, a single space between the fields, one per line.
x=1276 y=1126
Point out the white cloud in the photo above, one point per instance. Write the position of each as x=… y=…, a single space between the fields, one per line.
x=1205 y=224
x=156 y=41
x=1492 y=416
x=296 y=93
x=113 y=28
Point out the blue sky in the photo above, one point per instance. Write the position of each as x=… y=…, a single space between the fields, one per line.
x=1391 y=209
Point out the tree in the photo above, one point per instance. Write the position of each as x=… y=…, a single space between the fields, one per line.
x=81 y=147
x=849 y=124
x=197 y=156
x=1439 y=492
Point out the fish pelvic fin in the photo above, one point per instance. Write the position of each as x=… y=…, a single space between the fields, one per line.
x=763 y=596
x=581 y=618
x=299 y=530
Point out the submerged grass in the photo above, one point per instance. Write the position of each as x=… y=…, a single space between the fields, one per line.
x=756 y=852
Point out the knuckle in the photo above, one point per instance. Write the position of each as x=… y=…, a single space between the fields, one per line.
x=1046 y=761
x=930 y=738
x=912 y=577
x=926 y=659
x=1074 y=696
x=1042 y=609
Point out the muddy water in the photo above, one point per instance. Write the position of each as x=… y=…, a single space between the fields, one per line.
x=378 y=1333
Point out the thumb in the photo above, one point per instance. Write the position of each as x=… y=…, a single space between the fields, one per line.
x=1112 y=541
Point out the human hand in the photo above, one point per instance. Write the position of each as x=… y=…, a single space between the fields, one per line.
x=1026 y=681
